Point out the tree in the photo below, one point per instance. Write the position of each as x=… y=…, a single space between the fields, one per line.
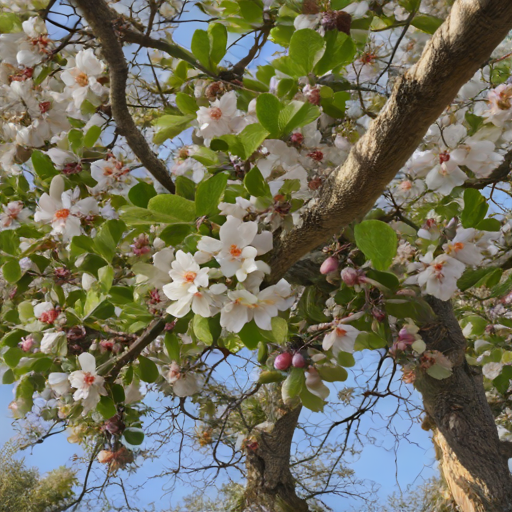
x=330 y=202
x=21 y=488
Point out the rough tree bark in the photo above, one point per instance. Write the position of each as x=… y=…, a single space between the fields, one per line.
x=459 y=47
x=102 y=21
x=270 y=484
x=470 y=453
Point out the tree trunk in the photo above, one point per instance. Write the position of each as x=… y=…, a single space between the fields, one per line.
x=270 y=484
x=464 y=432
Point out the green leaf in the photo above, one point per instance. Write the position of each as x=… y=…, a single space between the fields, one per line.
x=173 y=206
x=172 y=345
x=92 y=136
x=11 y=271
x=148 y=370
x=118 y=393
x=267 y=377
x=106 y=277
x=42 y=364
x=293 y=384
x=202 y=329
x=134 y=436
x=475 y=208
x=478 y=277
x=415 y=308
x=425 y=23
x=388 y=279
x=141 y=193
x=200 y=47
x=24 y=393
x=76 y=140
x=439 y=372
x=12 y=338
x=108 y=238
x=310 y=401
x=9 y=242
x=106 y=407
x=120 y=295
x=251 y=138
x=8 y=377
x=295 y=115
x=171 y=126
x=489 y=225
x=175 y=234
x=279 y=329
x=282 y=35
x=12 y=356
x=251 y=11
x=10 y=22
x=267 y=110
x=256 y=184
x=250 y=335
x=335 y=105
x=185 y=187
x=378 y=241
x=218 y=39
x=332 y=373
x=306 y=49
x=209 y=194
x=340 y=50
x=369 y=340
x=346 y=360
x=43 y=165
x=187 y=104
x=82 y=244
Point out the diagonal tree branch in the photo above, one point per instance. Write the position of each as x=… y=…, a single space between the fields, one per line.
x=465 y=40
x=102 y=21
x=113 y=367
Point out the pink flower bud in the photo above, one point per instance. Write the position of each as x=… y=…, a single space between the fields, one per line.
x=405 y=336
x=298 y=361
x=329 y=265
x=378 y=314
x=283 y=361
x=350 y=276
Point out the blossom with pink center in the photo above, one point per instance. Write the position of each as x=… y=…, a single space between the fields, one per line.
x=341 y=338
x=13 y=215
x=439 y=278
x=88 y=384
x=500 y=105
x=82 y=77
x=237 y=248
x=220 y=118
x=63 y=209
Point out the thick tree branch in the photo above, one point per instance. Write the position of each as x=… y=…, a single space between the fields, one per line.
x=458 y=48
x=102 y=21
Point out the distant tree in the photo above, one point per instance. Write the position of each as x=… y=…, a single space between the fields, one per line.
x=23 y=490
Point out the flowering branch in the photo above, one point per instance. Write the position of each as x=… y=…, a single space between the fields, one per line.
x=154 y=329
x=449 y=60
x=102 y=20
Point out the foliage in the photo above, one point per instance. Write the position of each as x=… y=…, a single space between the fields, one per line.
x=22 y=488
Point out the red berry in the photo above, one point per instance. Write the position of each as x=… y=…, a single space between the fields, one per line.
x=283 y=361
x=298 y=361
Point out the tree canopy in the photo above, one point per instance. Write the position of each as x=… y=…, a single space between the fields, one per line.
x=200 y=239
